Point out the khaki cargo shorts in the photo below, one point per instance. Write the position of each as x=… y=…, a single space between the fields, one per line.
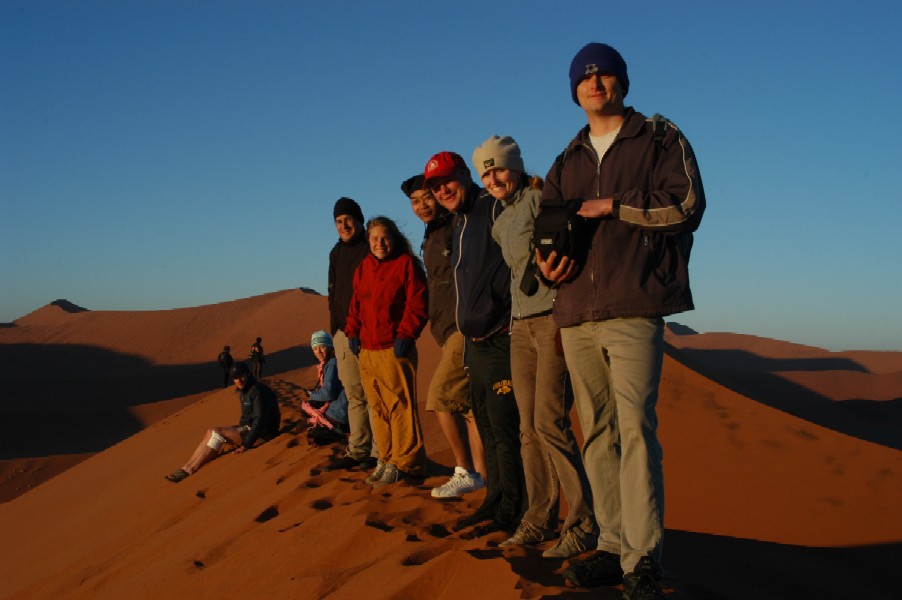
x=449 y=390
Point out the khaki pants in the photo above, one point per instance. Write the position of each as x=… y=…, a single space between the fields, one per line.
x=615 y=366
x=551 y=459
x=360 y=439
x=390 y=385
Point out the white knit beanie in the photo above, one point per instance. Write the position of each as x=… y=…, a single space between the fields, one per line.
x=498 y=153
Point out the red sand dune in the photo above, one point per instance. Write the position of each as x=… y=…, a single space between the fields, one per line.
x=760 y=502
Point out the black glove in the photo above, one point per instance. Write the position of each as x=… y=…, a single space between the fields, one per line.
x=354 y=343
x=402 y=347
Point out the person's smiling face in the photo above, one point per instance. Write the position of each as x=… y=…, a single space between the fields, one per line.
x=320 y=352
x=600 y=94
x=423 y=204
x=448 y=191
x=346 y=226
x=501 y=183
x=381 y=242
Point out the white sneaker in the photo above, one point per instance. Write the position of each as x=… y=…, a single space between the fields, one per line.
x=462 y=482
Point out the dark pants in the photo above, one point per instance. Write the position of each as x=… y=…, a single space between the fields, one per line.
x=257 y=367
x=226 y=371
x=498 y=421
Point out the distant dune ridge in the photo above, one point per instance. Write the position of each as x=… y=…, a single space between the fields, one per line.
x=783 y=471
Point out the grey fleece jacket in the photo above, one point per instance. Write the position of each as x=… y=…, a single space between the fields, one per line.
x=513 y=232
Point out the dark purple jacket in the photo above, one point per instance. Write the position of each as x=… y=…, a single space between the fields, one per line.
x=637 y=264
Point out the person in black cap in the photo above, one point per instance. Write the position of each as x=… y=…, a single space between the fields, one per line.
x=225 y=363
x=345 y=257
x=260 y=419
x=449 y=392
x=642 y=196
x=257 y=357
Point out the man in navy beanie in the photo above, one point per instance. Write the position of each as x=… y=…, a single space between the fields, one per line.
x=642 y=196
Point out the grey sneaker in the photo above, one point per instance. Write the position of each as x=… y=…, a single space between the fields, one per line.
x=527 y=534
x=377 y=474
x=573 y=541
x=462 y=482
x=390 y=475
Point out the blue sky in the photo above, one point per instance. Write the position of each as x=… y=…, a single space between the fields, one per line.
x=162 y=154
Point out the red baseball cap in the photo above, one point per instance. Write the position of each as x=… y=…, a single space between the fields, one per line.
x=444 y=164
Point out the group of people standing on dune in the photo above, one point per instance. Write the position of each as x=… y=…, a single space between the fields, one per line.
x=524 y=336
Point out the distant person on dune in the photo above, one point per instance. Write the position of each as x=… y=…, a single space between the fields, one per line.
x=257 y=358
x=225 y=363
x=260 y=419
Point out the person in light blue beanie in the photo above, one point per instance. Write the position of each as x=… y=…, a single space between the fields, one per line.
x=327 y=406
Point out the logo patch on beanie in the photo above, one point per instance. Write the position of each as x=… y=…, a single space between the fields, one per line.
x=488 y=163
x=432 y=166
x=591 y=69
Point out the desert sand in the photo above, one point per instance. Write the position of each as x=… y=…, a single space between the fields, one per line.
x=782 y=471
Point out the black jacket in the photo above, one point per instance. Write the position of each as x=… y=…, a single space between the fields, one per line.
x=437 y=243
x=259 y=411
x=481 y=277
x=343 y=261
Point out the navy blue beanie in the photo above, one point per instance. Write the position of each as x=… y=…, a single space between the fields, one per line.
x=597 y=58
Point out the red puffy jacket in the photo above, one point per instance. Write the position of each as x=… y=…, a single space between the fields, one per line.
x=389 y=302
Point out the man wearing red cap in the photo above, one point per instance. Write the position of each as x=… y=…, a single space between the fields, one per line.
x=642 y=195
x=483 y=308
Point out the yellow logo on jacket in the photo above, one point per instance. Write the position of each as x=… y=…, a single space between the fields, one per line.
x=503 y=387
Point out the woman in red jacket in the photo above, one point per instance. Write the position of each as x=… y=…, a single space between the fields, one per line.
x=386 y=316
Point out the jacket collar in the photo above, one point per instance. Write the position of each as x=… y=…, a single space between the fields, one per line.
x=517 y=195
x=633 y=125
x=470 y=199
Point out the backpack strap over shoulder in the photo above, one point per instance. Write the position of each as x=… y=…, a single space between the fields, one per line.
x=659 y=125
x=559 y=161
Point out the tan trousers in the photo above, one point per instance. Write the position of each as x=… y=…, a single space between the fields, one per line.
x=390 y=385
x=551 y=459
x=616 y=369
x=360 y=440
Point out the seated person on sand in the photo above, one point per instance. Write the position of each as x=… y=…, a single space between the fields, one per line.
x=260 y=418
x=327 y=406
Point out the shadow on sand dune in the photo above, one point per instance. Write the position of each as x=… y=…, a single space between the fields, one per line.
x=741 y=569
x=734 y=569
x=75 y=399
x=878 y=421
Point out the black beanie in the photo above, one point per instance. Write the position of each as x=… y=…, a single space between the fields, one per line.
x=346 y=206
x=412 y=185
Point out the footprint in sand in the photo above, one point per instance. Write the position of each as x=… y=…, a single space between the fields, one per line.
x=270 y=513
x=321 y=504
